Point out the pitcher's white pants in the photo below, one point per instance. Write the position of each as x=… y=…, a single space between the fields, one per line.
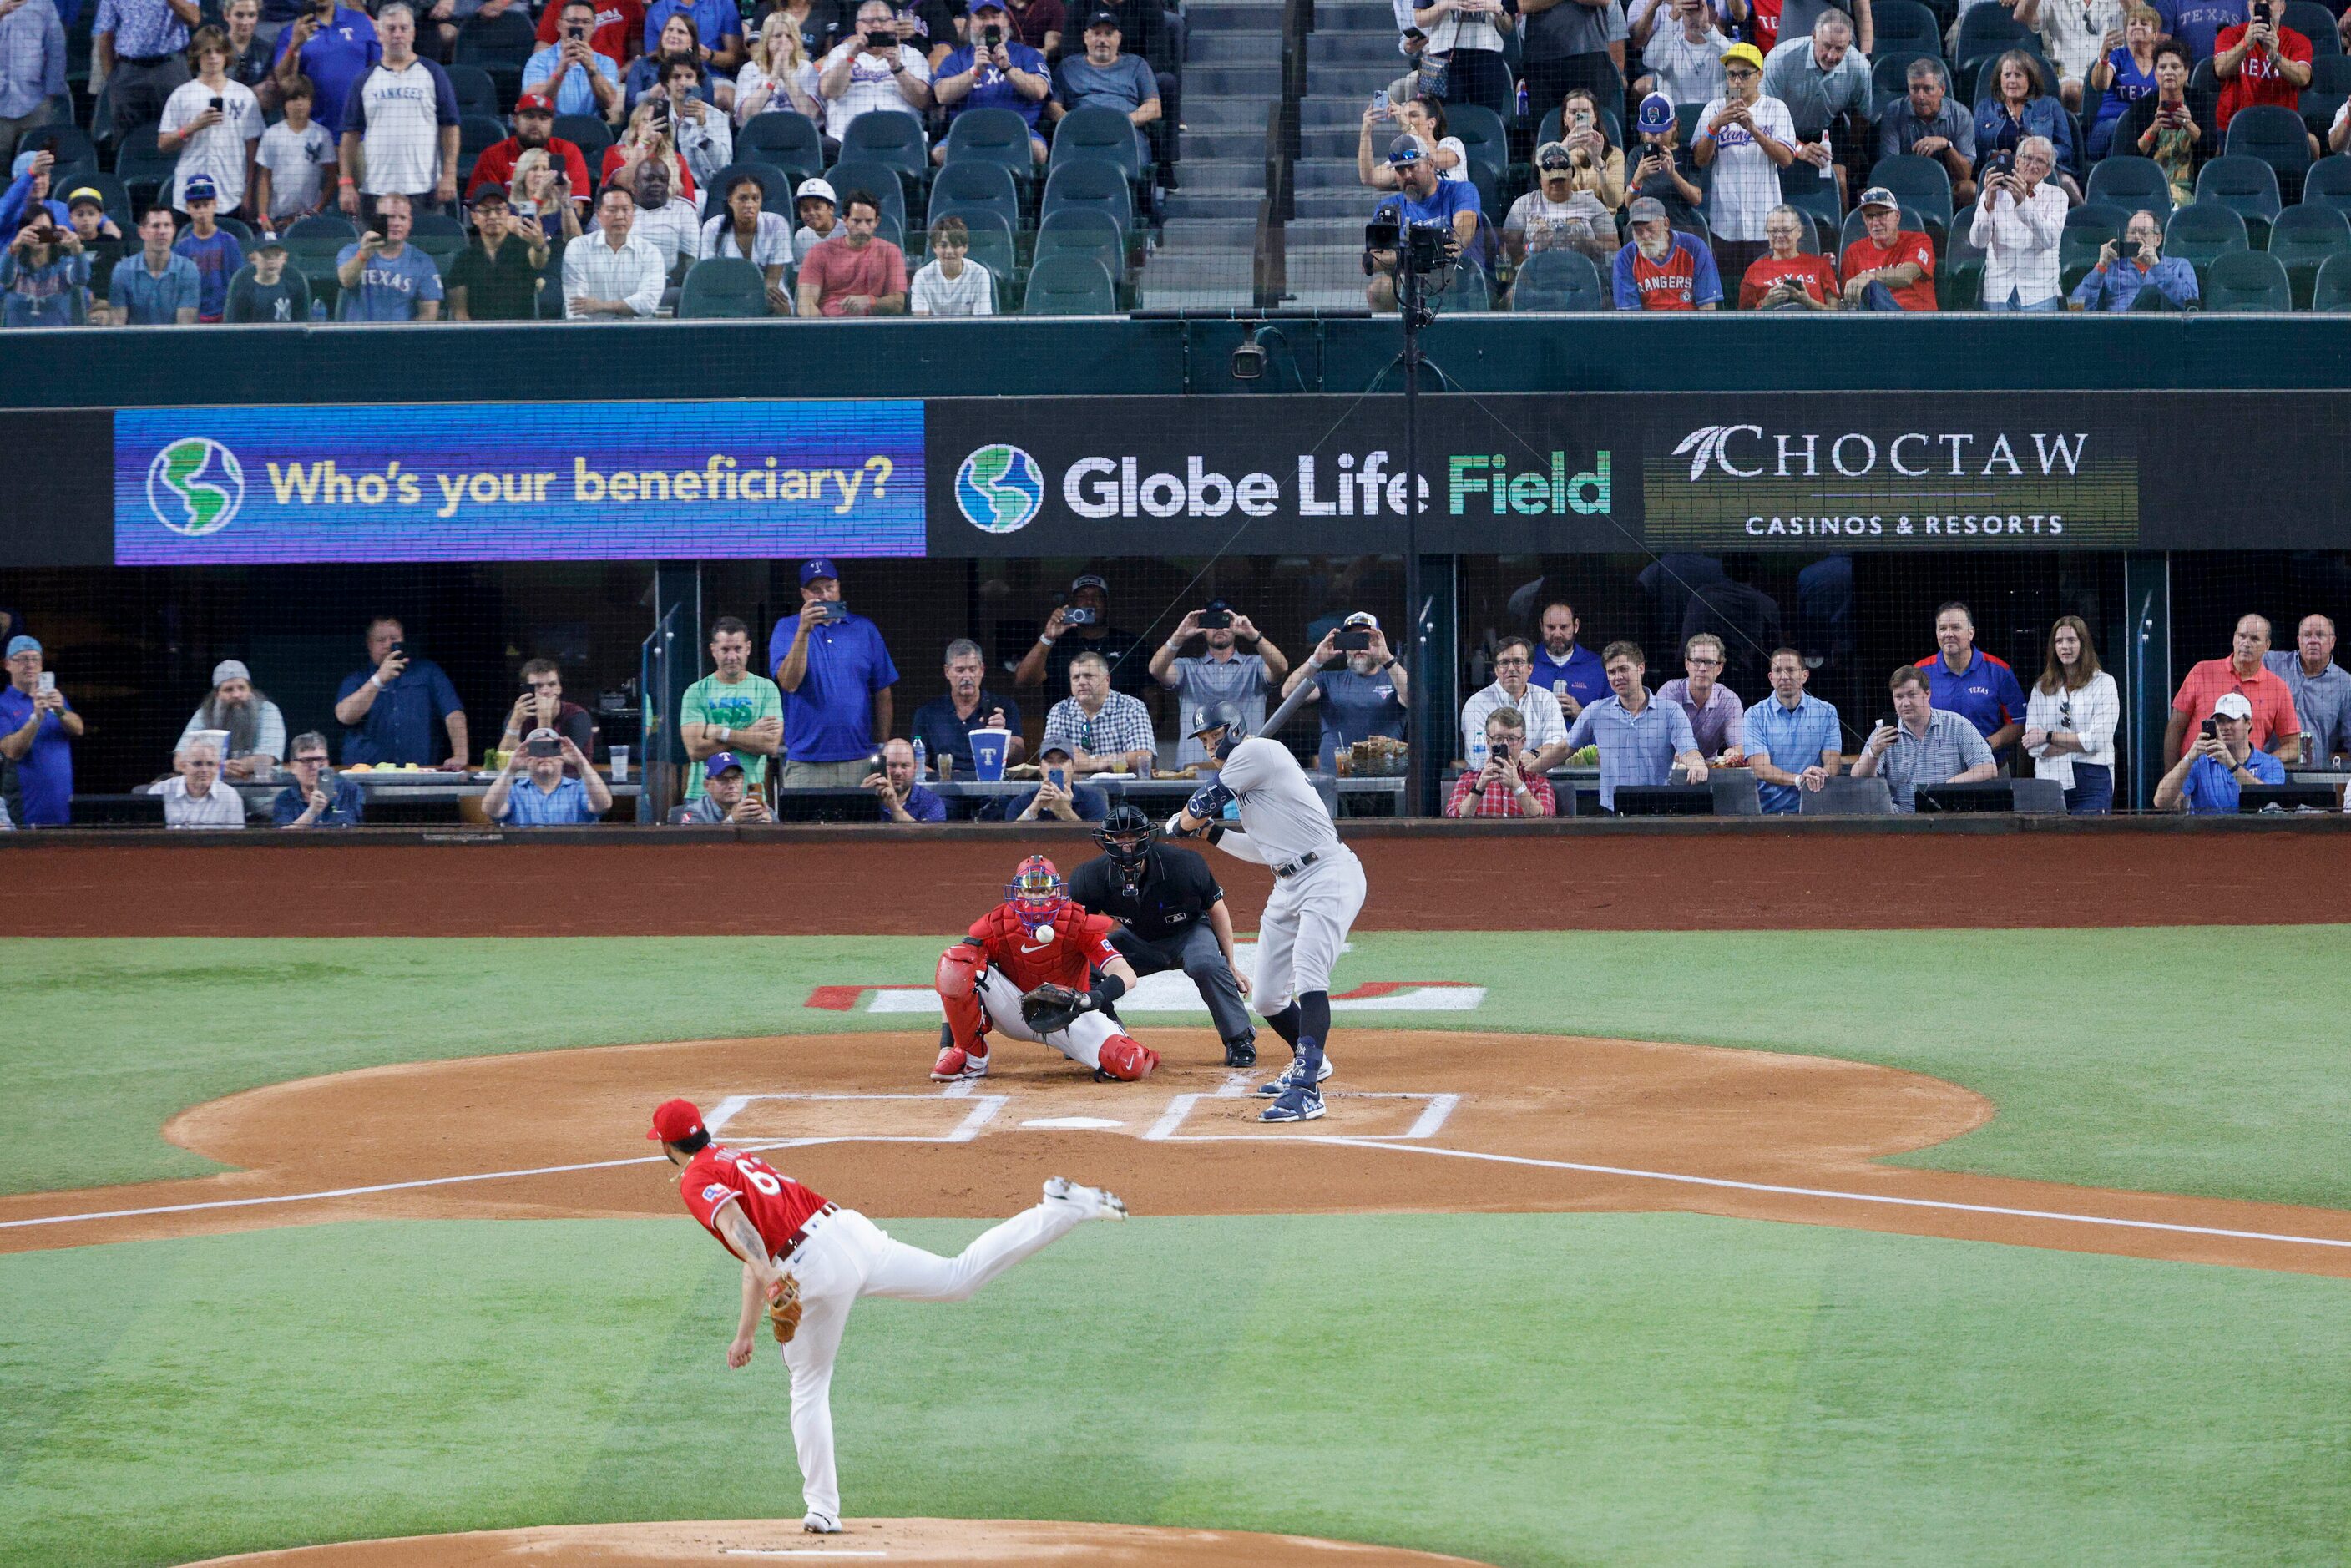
x=849 y=1256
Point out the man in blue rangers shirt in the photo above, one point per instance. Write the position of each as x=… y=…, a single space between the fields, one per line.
x=995 y=70
x=836 y=677
x=1362 y=692
x=387 y=713
x=1964 y=680
x=1422 y=201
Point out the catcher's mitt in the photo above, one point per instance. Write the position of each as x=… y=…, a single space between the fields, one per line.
x=784 y=1309
x=1050 y=1009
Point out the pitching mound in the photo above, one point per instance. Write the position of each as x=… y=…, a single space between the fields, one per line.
x=940 y=1541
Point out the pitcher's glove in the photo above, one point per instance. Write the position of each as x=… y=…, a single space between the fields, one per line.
x=1050 y=1009
x=784 y=1309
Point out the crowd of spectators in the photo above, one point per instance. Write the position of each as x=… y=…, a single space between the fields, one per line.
x=212 y=134
x=822 y=715
x=1783 y=168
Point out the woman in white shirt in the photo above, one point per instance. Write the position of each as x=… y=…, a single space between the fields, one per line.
x=1466 y=34
x=2070 y=718
x=779 y=75
x=746 y=231
x=1423 y=117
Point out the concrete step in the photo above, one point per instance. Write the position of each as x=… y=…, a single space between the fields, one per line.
x=1213 y=235
x=1327 y=175
x=1227 y=112
x=1353 y=206
x=1237 y=47
x=1200 y=282
x=1355 y=17
x=1227 y=16
x=1186 y=204
x=1261 y=80
x=1212 y=145
x=1231 y=175
x=1353 y=48
x=1343 y=81
x=1340 y=141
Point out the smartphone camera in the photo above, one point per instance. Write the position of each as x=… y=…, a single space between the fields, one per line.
x=2212 y=728
x=399 y=650
x=1216 y=619
x=1077 y=615
x=219 y=105
x=881 y=38
x=1356 y=642
x=542 y=748
x=992 y=37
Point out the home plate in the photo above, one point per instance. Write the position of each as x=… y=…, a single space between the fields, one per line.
x=1074 y=1124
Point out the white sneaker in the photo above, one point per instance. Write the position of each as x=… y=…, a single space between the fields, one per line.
x=1097 y=1204
x=821 y=1524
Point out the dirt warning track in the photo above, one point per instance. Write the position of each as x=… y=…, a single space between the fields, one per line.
x=1423 y=1122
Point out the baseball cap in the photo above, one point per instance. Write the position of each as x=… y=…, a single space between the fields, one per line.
x=1052 y=746
x=1363 y=618
x=1552 y=155
x=995 y=6
x=86 y=195
x=267 y=242
x=1089 y=580
x=1656 y=115
x=818 y=568
x=230 y=670
x=534 y=103
x=2232 y=704
x=1879 y=197
x=1645 y=210
x=1747 y=52
x=1103 y=17
x=24 y=164
x=675 y=1121
x=22 y=645
x=814 y=187
x=720 y=762
x=493 y=192
x=200 y=188
x=1404 y=150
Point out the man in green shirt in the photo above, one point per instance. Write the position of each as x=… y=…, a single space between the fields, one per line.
x=732 y=710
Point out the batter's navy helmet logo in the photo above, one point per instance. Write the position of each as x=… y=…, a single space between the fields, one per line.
x=1001 y=489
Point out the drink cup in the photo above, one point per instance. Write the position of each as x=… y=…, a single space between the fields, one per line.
x=989 y=747
x=620 y=765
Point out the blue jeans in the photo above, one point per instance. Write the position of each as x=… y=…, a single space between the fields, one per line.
x=2093 y=794
x=2055 y=302
x=1878 y=297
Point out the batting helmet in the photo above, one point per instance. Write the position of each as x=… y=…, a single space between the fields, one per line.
x=1037 y=892
x=1222 y=717
x=1125 y=834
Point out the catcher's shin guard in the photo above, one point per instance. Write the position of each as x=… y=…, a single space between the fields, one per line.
x=960 y=968
x=1126 y=1059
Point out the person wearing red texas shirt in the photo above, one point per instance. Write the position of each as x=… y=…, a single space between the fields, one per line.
x=620 y=28
x=1036 y=937
x=783 y=1231
x=2260 y=62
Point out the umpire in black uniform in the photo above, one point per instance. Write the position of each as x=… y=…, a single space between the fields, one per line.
x=1171 y=915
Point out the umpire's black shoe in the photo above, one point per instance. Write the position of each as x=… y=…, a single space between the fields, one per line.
x=1240 y=1053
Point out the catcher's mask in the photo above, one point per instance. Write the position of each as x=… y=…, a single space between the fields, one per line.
x=1225 y=722
x=1037 y=892
x=1126 y=837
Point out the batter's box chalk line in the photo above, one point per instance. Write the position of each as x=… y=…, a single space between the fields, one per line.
x=1436 y=1109
x=984 y=1109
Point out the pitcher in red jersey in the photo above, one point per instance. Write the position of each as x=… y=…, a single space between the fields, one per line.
x=777 y=1226
x=1035 y=937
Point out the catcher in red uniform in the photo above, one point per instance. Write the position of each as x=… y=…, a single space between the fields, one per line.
x=1028 y=969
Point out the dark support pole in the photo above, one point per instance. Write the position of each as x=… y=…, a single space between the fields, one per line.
x=2146 y=591
x=674 y=661
x=1420 y=793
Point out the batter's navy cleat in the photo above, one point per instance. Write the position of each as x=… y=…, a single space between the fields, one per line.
x=1290 y=1078
x=1298 y=1103
x=821 y=1524
x=1096 y=1203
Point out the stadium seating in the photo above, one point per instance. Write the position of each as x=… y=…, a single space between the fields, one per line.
x=1958 y=273
x=590 y=134
x=1484 y=139
x=68 y=143
x=2333 y=291
x=2129 y=180
x=775 y=188
x=2088 y=227
x=723 y=288
x=878 y=181
x=438 y=235
x=1559 y=280
x=1090 y=233
x=2243 y=280
x=783 y=137
x=1101 y=135
x=2328 y=184
x=2304 y=239
x=501 y=46
x=109 y=191
x=1070 y=284
x=2247 y=186
x=1801 y=187
x=995 y=138
x=1094 y=187
x=1905 y=29
x=476 y=134
x=476 y=93
x=887 y=140
x=143 y=168
x=1920 y=182
x=2202 y=233
x=2314 y=22
x=963 y=187
x=2274 y=136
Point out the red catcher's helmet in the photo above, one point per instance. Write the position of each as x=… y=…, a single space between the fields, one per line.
x=1037 y=892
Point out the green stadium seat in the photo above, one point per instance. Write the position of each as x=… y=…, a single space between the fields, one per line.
x=723 y=288
x=590 y=135
x=2328 y=184
x=476 y=93
x=783 y=137
x=2202 y=233
x=1070 y=284
x=2129 y=182
x=1920 y=182
x=878 y=181
x=963 y=186
x=1562 y=280
x=2276 y=137
x=2304 y=239
x=1101 y=135
x=2246 y=280
x=889 y=139
x=2247 y=186
x=1091 y=187
x=2333 y=290
x=995 y=138
x=438 y=235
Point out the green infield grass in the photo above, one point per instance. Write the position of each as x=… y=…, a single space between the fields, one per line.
x=1547 y=1389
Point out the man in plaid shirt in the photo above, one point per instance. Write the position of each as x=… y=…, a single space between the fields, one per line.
x=1924 y=745
x=1105 y=730
x=1511 y=784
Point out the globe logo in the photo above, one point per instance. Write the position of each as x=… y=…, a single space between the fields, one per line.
x=194 y=487
x=1001 y=489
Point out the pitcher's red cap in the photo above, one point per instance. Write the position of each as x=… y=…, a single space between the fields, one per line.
x=675 y=1121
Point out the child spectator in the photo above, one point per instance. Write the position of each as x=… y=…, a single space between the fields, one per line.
x=212 y=249
x=213 y=124
x=266 y=290
x=289 y=176
x=949 y=284
x=43 y=272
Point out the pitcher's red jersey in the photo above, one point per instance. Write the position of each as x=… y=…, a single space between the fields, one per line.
x=776 y=1205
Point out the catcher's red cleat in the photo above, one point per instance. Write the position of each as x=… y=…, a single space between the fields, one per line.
x=1125 y=1058
x=955 y=1064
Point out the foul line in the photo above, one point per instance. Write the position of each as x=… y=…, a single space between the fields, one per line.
x=1821 y=1192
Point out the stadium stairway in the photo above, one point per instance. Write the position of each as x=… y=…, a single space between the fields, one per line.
x=1351 y=53
x=1232 y=75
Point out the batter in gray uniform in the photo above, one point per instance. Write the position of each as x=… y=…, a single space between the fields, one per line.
x=1318 y=887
